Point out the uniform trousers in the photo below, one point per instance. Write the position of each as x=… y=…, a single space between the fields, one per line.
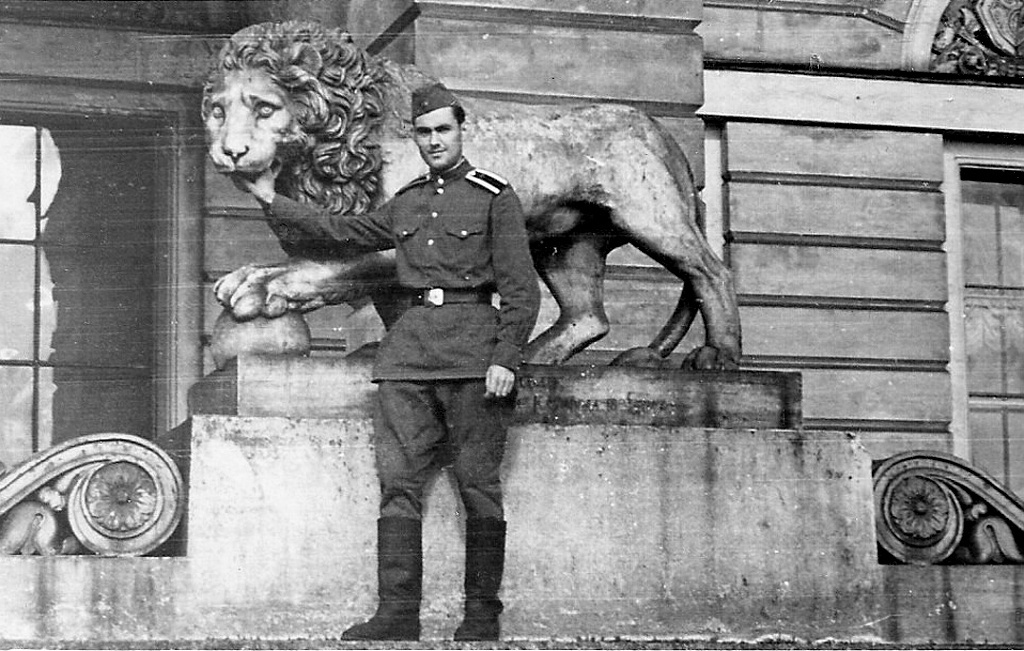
x=421 y=427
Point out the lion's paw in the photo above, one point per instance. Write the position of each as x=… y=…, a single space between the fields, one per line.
x=642 y=357
x=709 y=358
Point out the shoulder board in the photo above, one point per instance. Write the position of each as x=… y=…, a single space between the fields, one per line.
x=419 y=180
x=487 y=180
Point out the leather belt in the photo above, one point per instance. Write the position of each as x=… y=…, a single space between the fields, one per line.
x=437 y=296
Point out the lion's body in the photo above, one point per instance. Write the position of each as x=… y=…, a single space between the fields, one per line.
x=591 y=178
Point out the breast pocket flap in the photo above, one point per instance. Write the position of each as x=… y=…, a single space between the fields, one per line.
x=464 y=232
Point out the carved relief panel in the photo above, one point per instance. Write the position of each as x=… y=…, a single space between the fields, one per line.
x=980 y=37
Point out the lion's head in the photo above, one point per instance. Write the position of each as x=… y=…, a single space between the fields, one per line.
x=305 y=97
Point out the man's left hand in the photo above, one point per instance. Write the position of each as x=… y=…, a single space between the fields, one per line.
x=499 y=381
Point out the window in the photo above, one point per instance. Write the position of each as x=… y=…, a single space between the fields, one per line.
x=984 y=191
x=77 y=254
x=29 y=175
x=992 y=219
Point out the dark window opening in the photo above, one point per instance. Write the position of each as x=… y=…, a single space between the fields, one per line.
x=77 y=253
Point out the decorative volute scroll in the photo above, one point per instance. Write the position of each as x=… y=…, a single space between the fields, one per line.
x=980 y=37
x=108 y=494
x=933 y=507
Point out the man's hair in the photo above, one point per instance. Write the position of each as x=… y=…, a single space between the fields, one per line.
x=457 y=111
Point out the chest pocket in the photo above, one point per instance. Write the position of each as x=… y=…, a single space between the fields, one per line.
x=404 y=230
x=465 y=245
x=403 y=233
x=466 y=231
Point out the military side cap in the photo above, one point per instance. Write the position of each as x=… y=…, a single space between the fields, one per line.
x=430 y=98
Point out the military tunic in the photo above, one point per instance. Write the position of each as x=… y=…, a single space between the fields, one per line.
x=461 y=230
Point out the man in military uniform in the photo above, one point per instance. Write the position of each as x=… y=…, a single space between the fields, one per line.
x=447 y=367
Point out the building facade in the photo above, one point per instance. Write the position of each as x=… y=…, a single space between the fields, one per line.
x=861 y=165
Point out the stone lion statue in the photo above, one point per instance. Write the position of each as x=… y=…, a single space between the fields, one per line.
x=591 y=178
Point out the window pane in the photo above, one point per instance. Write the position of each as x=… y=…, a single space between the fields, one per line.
x=981 y=266
x=1011 y=250
x=1015 y=450
x=103 y=307
x=984 y=330
x=17 y=266
x=47 y=311
x=99 y=246
x=50 y=171
x=987 y=450
x=1013 y=347
x=15 y=414
x=45 y=415
x=87 y=401
x=993 y=231
x=17 y=182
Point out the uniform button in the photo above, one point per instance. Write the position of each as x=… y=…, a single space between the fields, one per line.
x=465 y=233
x=433 y=214
x=440 y=181
x=430 y=242
x=440 y=190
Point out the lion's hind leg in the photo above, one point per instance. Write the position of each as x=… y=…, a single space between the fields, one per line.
x=573 y=268
x=708 y=290
x=655 y=354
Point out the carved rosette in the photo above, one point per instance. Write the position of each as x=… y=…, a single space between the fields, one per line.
x=980 y=37
x=932 y=507
x=108 y=494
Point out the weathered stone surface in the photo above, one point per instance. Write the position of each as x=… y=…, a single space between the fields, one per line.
x=614 y=530
x=561 y=395
x=967 y=604
x=327 y=387
x=811 y=35
x=679 y=9
x=578 y=63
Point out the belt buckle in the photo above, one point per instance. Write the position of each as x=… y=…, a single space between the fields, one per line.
x=435 y=296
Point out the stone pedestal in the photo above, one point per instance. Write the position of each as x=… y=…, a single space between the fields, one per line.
x=258 y=385
x=615 y=529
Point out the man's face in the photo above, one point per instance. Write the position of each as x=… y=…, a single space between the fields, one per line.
x=439 y=137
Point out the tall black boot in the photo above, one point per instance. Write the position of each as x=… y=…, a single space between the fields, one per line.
x=399 y=583
x=485 y=564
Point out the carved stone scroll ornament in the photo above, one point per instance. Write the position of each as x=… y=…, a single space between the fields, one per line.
x=106 y=494
x=980 y=37
x=933 y=507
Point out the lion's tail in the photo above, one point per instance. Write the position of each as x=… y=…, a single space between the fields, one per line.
x=687 y=307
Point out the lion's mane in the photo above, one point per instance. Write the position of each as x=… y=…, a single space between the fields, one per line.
x=338 y=100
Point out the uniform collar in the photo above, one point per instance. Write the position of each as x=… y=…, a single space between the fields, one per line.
x=457 y=171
